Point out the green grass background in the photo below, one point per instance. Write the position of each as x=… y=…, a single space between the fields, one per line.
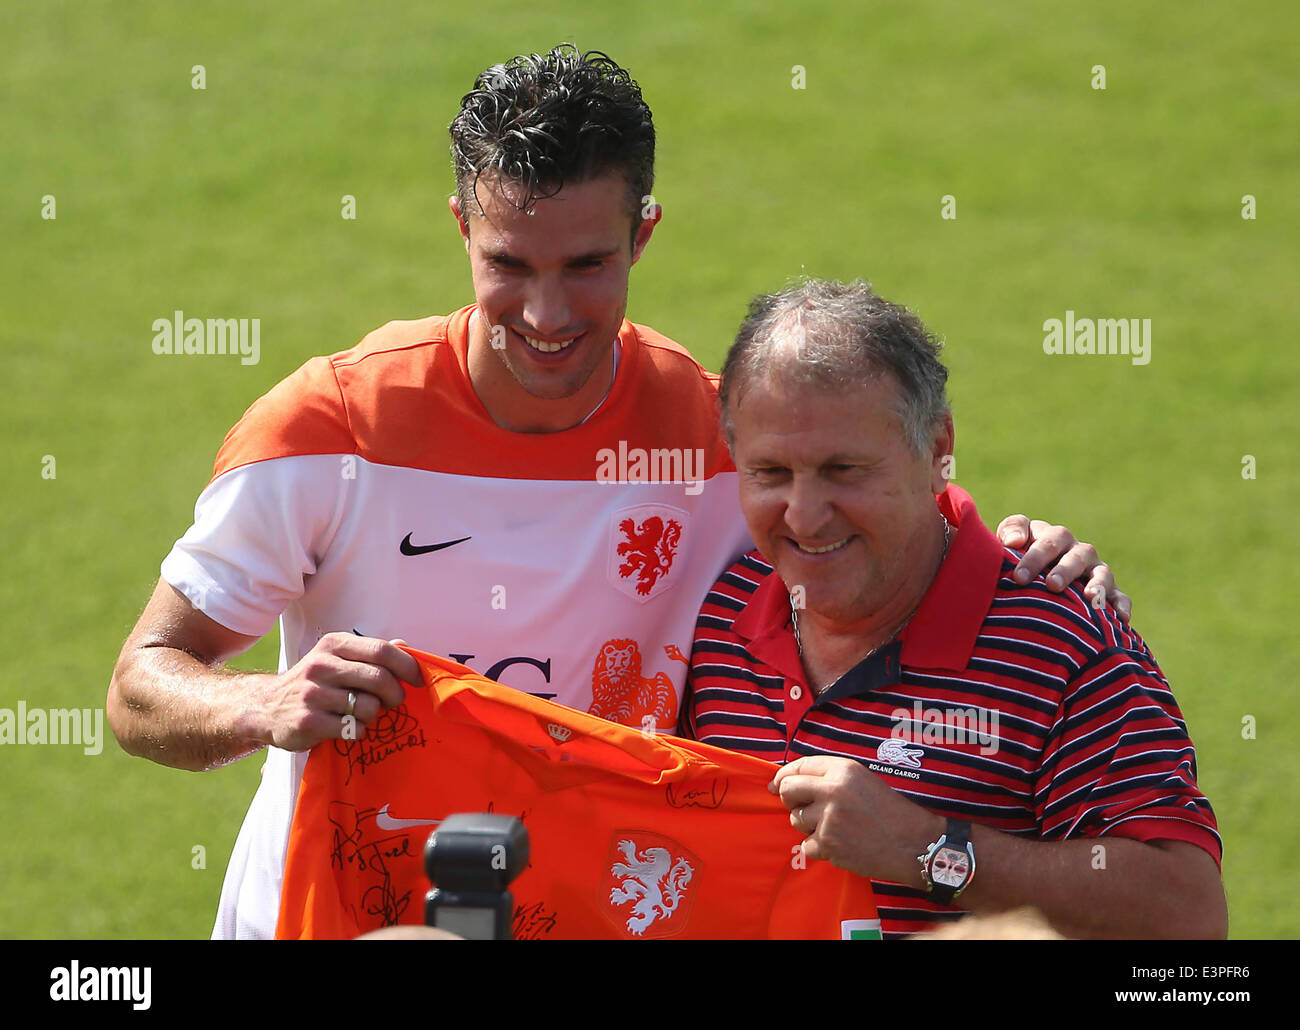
x=226 y=202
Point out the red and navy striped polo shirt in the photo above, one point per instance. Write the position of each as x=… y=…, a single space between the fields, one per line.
x=1005 y=705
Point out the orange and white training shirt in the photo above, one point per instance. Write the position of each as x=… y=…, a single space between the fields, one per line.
x=632 y=835
x=371 y=492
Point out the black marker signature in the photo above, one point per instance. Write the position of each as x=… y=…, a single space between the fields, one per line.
x=698 y=797
x=395 y=730
x=370 y=860
x=533 y=922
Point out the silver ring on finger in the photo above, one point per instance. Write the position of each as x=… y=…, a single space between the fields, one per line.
x=352 y=703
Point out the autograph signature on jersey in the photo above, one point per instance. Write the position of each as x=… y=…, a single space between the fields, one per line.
x=710 y=795
x=533 y=922
x=393 y=731
x=375 y=902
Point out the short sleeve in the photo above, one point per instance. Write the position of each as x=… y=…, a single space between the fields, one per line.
x=261 y=526
x=259 y=531
x=1118 y=759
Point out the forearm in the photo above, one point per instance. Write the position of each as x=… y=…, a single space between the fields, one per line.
x=1090 y=887
x=166 y=705
x=1100 y=887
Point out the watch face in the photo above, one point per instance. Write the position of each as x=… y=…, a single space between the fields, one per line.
x=950 y=867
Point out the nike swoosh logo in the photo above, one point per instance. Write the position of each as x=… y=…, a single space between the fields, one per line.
x=387 y=822
x=411 y=550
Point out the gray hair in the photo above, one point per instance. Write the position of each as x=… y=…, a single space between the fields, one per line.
x=831 y=335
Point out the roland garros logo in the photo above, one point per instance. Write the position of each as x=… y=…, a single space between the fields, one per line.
x=897 y=759
x=895 y=752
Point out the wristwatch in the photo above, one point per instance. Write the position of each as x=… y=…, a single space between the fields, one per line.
x=948 y=865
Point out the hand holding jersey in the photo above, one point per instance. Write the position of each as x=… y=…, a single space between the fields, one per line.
x=334 y=691
x=853 y=819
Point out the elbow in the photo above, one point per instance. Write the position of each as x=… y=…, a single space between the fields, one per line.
x=1194 y=905
x=139 y=720
x=119 y=710
x=1198 y=908
x=1207 y=914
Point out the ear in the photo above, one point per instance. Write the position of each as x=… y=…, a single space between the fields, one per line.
x=453 y=202
x=650 y=218
x=941 y=454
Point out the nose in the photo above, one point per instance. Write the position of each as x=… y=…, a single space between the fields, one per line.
x=807 y=505
x=546 y=307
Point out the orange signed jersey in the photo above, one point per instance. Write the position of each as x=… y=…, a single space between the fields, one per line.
x=632 y=835
x=371 y=492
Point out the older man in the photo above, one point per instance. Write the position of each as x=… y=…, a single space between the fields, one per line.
x=949 y=732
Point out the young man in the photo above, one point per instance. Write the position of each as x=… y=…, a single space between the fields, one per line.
x=532 y=486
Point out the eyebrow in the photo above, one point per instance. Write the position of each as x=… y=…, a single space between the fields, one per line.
x=834 y=459
x=851 y=459
x=502 y=256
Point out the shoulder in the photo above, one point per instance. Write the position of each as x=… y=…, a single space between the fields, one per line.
x=671 y=400
x=329 y=402
x=1083 y=636
x=394 y=343
x=732 y=592
x=671 y=363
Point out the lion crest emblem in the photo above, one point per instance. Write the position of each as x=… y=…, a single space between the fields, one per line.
x=646 y=542
x=652 y=881
x=621 y=694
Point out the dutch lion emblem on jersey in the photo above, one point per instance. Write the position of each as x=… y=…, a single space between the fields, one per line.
x=652 y=882
x=621 y=694
x=646 y=544
x=649 y=550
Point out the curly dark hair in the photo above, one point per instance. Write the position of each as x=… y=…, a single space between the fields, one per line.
x=540 y=121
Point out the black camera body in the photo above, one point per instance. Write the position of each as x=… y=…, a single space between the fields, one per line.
x=471 y=859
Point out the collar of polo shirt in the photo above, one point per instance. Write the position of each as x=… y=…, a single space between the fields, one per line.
x=942 y=633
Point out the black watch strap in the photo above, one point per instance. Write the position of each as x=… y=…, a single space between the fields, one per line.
x=956 y=837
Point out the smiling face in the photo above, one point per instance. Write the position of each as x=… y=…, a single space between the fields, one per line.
x=837 y=500
x=551 y=287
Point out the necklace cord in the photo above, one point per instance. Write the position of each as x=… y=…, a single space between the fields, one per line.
x=794 y=613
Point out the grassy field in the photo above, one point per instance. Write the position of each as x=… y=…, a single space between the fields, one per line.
x=1125 y=202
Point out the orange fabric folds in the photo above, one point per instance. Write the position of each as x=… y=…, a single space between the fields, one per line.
x=632 y=834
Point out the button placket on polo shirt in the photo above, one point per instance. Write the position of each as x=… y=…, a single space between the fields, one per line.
x=882 y=669
x=799 y=701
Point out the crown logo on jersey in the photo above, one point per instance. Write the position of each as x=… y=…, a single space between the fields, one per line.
x=650 y=878
x=645 y=540
x=558 y=733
